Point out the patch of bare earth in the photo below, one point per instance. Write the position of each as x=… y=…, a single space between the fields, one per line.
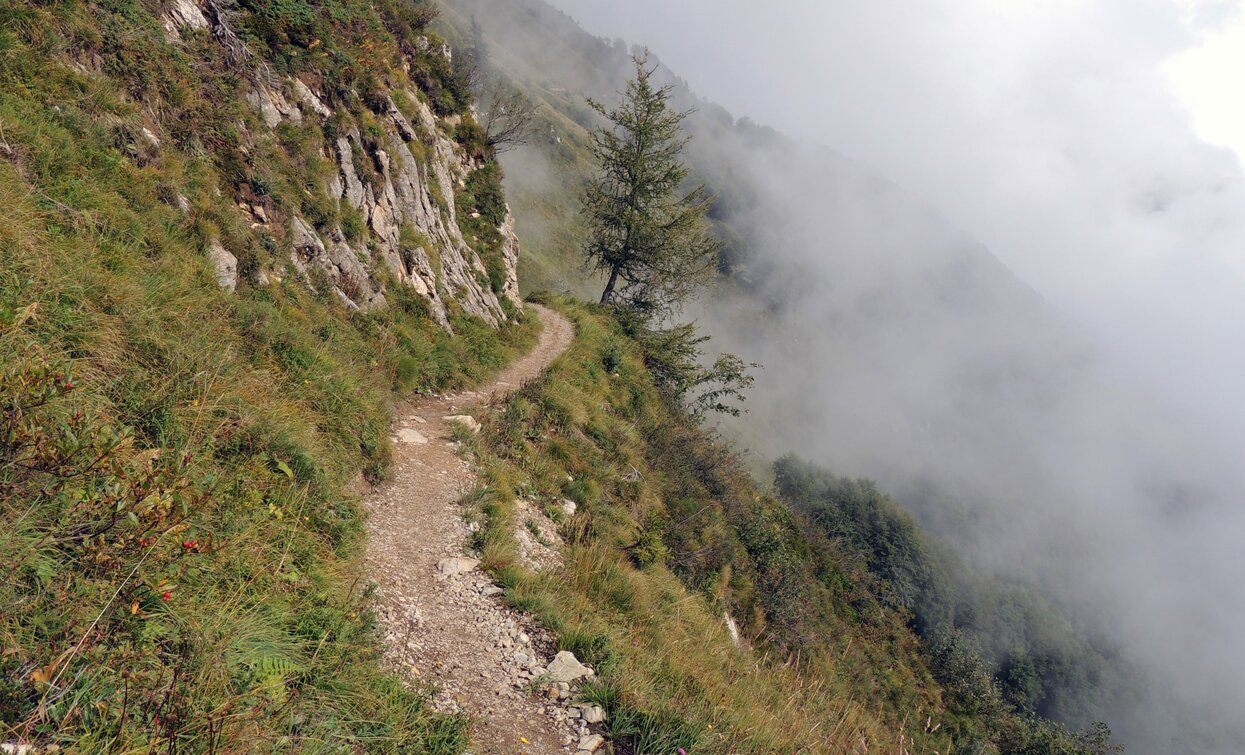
x=443 y=622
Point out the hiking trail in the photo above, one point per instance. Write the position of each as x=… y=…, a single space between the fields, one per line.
x=443 y=621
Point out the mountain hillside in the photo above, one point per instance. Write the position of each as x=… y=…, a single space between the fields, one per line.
x=244 y=243
x=232 y=235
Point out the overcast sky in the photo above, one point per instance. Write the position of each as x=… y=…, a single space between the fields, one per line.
x=1088 y=143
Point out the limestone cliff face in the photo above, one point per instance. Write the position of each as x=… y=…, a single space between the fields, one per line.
x=401 y=179
x=406 y=187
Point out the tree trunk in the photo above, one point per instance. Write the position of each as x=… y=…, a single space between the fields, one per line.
x=608 y=293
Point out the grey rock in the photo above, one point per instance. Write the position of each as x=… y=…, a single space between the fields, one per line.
x=225 y=264
x=591 y=743
x=407 y=435
x=732 y=629
x=593 y=714
x=353 y=191
x=309 y=98
x=262 y=99
x=149 y=137
x=184 y=14
x=398 y=195
x=565 y=667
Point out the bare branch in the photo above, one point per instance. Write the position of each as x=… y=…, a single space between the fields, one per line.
x=506 y=115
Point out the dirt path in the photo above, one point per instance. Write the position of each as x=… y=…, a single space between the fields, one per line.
x=450 y=630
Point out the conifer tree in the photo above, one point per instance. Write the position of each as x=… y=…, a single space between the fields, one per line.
x=648 y=235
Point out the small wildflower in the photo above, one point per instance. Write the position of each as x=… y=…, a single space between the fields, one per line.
x=165 y=597
x=682 y=751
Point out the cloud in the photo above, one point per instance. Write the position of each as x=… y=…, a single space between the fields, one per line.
x=1207 y=80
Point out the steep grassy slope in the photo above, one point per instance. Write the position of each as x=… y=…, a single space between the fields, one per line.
x=181 y=551
x=670 y=537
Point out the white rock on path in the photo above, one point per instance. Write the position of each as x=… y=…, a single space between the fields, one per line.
x=457 y=565
x=565 y=667
x=593 y=714
x=591 y=743
x=407 y=435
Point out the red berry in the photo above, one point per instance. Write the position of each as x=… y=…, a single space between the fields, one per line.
x=166 y=596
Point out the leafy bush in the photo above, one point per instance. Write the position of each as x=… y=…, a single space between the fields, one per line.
x=447 y=92
x=484 y=192
x=473 y=138
x=674 y=355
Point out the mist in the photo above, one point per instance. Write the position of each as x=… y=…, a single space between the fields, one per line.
x=996 y=268
x=1050 y=132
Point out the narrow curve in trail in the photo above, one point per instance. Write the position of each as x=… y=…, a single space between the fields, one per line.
x=451 y=631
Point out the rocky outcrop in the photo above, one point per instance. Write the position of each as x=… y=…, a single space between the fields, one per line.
x=400 y=181
x=333 y=256
x=402 y=176
x=183 y=14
